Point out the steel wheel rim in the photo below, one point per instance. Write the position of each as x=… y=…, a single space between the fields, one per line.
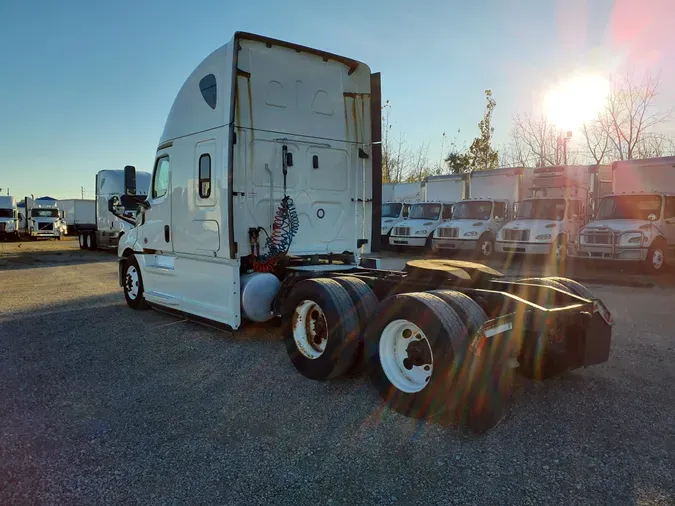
x=310 y=329
x=404 y=369
x=88 y=240
x=657 y=259
x=82 y=243
x=486 y=248
x=131 y=282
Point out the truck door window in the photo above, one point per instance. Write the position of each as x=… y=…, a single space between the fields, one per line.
x=669 y=212
x=500 y=210
x=205 y=176
x=160 y=179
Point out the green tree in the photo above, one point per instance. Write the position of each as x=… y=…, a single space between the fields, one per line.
x=481 y=154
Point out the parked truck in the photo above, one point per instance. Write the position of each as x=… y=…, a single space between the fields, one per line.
x=93 y=221
x=636 y=222
x=439 y=195
x=548 y=221
x=76 y=212
x=9 y=218
x=437 y=337
x=43 y=220
x=477 y=219
x=396 y=204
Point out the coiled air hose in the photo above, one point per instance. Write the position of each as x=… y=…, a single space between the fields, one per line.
x=284 y=228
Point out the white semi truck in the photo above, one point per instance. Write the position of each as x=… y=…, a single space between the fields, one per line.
x=93 y=221
x=439 y=195
x=636 y=223
x=44 y=220
x=9 y=218
x=549 y=220
x=260 y=207
x=477 y=219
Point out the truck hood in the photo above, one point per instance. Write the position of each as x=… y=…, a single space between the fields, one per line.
x=463 y=226
x=415 y=225
x=618 y=225
x=536 y=227
x=388 y=223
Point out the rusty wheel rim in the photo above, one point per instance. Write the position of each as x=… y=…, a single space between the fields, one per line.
x=310 y=329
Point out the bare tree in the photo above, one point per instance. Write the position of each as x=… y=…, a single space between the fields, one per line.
x=394 y=150
x=596 y=135
x=630 y=114
x=418 y=165
x=515 y=153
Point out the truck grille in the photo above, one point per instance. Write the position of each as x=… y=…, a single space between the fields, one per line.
x=598 y=238
x=516 y=235
x=448 y=232
x=45 y=226
x=401 y=230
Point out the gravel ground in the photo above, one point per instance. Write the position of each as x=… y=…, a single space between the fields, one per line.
x=100 y=404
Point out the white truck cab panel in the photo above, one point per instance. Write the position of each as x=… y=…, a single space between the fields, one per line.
x=258 y=122
x=9 y=217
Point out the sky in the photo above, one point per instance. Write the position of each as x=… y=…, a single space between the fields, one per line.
x=87 y=85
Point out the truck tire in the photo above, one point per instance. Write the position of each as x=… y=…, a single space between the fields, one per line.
x=485 y=248
x=133 y=284
x=364 y=300
x=91 y=240
x=320 y=328
x=417 y=381
x=471 y=314
x=655 y=262
x=82 y=240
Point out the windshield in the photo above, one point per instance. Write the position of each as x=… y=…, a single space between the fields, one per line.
x=6 y=213
x=391 y=210
x=629 y=207
x=44 y=213
x=475 y=210
x=425 y=212
x=544 y=209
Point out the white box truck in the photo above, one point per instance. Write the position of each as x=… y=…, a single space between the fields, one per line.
x=260 y=124
x=94 y=223
x=550 y=219
x=476 y=220
x=636 y=223
x=9 y=218
x=77 y=212
x=397 y=205
x=439 y=195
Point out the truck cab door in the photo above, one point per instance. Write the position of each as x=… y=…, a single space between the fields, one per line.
x=155 y=234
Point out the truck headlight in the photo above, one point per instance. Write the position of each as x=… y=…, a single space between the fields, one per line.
x=635 y=240
x=470 y=234
x=422 y=232
x=543 y=237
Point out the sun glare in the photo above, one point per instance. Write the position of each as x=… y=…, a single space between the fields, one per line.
x=576 y=100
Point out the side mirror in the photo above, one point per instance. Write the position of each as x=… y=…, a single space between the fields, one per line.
x=130 y=180
x=651 y=217
x=112 y=203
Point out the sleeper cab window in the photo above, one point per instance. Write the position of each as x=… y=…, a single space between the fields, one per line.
x=205 y=176
x=160 y=181
x=207 y=85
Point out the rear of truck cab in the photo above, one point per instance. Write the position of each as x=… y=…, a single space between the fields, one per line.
x=259 y=121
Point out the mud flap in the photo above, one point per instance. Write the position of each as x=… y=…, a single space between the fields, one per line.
x=598 y=340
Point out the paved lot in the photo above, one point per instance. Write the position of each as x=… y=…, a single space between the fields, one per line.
x=103 y=405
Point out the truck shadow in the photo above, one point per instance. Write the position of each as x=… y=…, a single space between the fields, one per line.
x=16 y=259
